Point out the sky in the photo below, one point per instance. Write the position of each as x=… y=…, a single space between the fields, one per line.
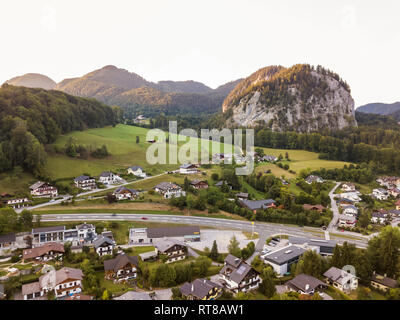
x=211 y=41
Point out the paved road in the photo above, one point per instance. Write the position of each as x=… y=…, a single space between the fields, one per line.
x=264 y=229
x=263 y=236
x=334 y=208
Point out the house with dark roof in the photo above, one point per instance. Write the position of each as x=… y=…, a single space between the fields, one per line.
x=136 y=171
x=188 y=168
x=124 y=193
x=48 y=251
x=282 y=259
x=85 y=183
x=172 y=250
x=350 y=210
x=305 y=284
x=43 y=189
x=103 y=245
x=108 y=177
x=199 y=184
x=238 y=275
x=255 y=205
x=341 y=279
x=7 y=241
x=383 y=283
x=201 y=289
x=122 y=268
x=379 y=217
x=86 y=232
x=320 y=246
x=169 y=190
x=149 y=235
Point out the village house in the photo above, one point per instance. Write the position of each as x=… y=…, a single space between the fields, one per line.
x=122 y=268
x=341 y=279
x=137 y=171
x=346 y=221
x=348 y=187
x=344 y=202
x=394 y=213
x=201 y=289
x=7 y=242
x=350 y=210
x=44 y=253
x=380 y=194
x=149 y=235
x=173 y=250
x=108 y=177
x=198 y=184
x=268 y=158
x=148 y=256
x=108 y=234
x=282 y=259
x=383 y=283
x=86 y=232
x=255 y=205
x=65 y=282
x=305 y=284
x=188 y=169
x=220 y=183
x=394 y=192
x=18 y=203
x=169 y=190
x=103 y=245
x=389 y=182
x=310 y=207
x=43 y=189
x=238 y=275
x=85 y=183
x=353 y=196
x=242 y=196
x=379 y=217
x=123 y=193
x=311 y=179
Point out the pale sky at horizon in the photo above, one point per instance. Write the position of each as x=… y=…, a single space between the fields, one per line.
x=208 y=41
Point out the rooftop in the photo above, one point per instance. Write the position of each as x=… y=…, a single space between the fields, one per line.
x=284 y=255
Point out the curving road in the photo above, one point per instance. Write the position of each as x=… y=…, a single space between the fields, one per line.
x=266 y=229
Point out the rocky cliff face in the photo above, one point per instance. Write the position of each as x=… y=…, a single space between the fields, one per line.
x=300 y=98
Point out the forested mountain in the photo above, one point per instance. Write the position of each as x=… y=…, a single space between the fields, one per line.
x=33 y=80
x=380 y=108
x=301 y=98
x=31 y=118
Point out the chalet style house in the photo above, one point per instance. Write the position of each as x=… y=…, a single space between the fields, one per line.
x=169 y=190
x=122 y=268
x=7 y=242
x=188 y=169
x=107 y=177
x=123 y=193
x=255 y=205
x=172 y=250
x=46 y=252
x=103 y=245
x=137 y=171
x=86 y=232
x=198 y=184
x=341 y=279
x=305 y=284
x=380 y=194
x=64 y=282
x=348 y=187
x=201 y=289
x=238 y=276
x=43 y=189
x=85 y=183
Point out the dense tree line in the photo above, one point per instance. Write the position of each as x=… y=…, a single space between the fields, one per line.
x=32 y=118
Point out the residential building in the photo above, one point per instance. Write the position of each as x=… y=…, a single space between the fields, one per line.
x=353 y=196
x=7 y=242
x=169 y=190
x=173 y=250
x=108 y=177
x=350 y=210
x=109 y=235
x=86 y=232
x=348 y=187
x=48 y=234
x=18 y=203
x=305 y=284
x=64 y=282
x=242 y=196
x=383 y=283
x=320 y=246
x=220 y=183
x=282 y=259
x=43 y=189
x=394 y=213
x=379 y=217
x=269 y=158
x=188 y=169
x=341 y=279
x=137 y=171
x=346 y=221
x=201 y=289
x=238 y=275
x=103 y=245
x=85 y=183
x=389 y=181
x=394 y=192
x=123 y=193
x=48 y=251
x=255 y=205
x=309 y=207
x=148 y=256
x=380 y=194
x=198 y=184
x=122 y=268
x=311 y=179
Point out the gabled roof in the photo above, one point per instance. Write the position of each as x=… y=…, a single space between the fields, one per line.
x=187 y=166
x=388 y=282
x=199 y=288
x=257 y=204
x=100 y=240
x=167 y=186
x=305 y=283
x=197 y=181
x=37 y=185
x=44 y=249
x=85 y=226
x=338 y=275
x=82 y=178
x=120 y=262
x=165 y=244
x=125 y=190
x=106 y=174
x=239 y=268
x=7 y=238
x=135 y=168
